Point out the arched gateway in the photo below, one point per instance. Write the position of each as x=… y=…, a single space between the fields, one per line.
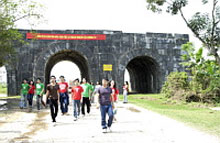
x=148 y=57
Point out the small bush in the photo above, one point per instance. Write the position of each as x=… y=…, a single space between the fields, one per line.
x=176 y=84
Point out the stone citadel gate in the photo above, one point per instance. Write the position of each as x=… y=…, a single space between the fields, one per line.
x=147 y=57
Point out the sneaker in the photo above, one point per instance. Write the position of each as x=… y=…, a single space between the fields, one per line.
x=104 y=130
x=75 y=119
x=109 y=129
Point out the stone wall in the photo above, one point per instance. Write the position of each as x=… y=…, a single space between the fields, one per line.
x=148 y=57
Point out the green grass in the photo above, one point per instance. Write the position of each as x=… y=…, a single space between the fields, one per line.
x=199 y=117
x=11 y=97
x=3 y=89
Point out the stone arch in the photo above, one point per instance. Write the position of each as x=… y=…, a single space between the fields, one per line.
x=68 y=55
x=144 y=69
x=57 y=52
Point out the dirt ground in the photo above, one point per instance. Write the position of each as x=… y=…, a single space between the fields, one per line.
x=134 y=124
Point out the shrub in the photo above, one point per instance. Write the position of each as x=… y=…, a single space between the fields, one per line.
x=203 y=84
x=176 y=81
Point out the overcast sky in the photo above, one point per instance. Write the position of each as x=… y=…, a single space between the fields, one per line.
x=129 y=16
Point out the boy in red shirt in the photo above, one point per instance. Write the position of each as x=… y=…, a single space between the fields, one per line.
x=77 y=91
x=63 y=89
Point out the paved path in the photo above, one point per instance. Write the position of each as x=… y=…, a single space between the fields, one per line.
x=3 y=95
x=215 y=108
x=2 y=102
x=134 y=124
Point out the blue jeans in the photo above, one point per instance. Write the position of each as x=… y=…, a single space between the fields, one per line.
x=106 y=109
x=30 y=99
x=40 y=101
x=63 y=102
x=23 y=102
x=67 y=95
x=76 y=108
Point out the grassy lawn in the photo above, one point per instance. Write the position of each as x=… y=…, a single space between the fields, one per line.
x=3 y=89
x=11 y=97
x=199 y=117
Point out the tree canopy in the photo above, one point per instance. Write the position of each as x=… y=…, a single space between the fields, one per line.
x=12 y=11
x=204 y=25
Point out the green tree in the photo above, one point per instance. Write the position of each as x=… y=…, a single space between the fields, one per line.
x=12 y=11
x=201 y=83
x=205 y=73
x=205 y=26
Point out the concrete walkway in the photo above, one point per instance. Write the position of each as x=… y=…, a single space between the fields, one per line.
x=2 y=102
x=3 y=95
x=134 y=124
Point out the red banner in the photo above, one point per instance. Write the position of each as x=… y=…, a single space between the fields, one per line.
x=48 y=36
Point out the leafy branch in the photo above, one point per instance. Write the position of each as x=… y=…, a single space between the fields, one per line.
x=204 y=27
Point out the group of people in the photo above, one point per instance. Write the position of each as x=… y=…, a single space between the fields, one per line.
x=28 y=90
x=105 y=97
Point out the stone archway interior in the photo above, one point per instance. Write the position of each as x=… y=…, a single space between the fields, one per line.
x=143 y=73
x=67 y=55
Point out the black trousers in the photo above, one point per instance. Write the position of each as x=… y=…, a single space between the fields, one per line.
x=86 y=102
x=53 y=108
